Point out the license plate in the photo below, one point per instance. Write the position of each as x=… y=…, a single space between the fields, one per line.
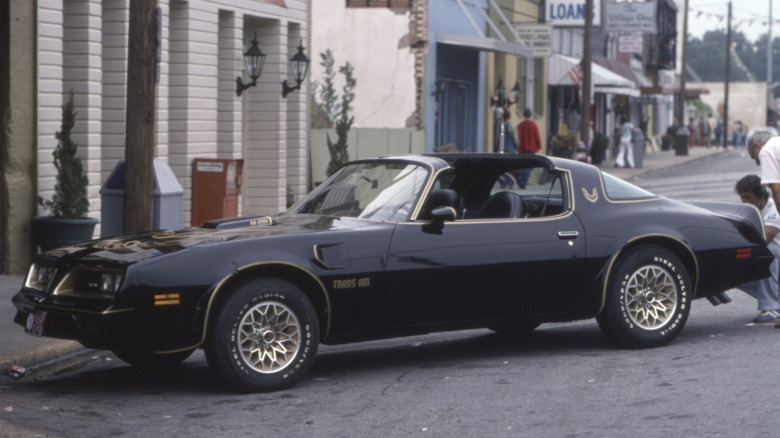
x=35 y=323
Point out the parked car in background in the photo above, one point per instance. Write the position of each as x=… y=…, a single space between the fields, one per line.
x=398 y=246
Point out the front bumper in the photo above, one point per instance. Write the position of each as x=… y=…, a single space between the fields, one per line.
x=110 y=329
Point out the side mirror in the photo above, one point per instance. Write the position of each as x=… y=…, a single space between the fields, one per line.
x=443 y=214
x=439 y=216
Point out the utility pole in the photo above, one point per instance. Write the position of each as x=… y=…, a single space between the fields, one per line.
x=769 y=79
x=769 y=48
x=139 y=126
x=684 y=61
x=726 y=85
x=587 y=59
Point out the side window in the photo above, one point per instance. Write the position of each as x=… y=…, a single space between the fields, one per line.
x=541 y=191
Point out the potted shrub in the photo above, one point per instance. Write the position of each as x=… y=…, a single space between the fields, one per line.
x=563 y=145
x=67 y=223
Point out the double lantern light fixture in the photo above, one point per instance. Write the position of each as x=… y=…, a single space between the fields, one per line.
x=500 y=92
x=254 y=58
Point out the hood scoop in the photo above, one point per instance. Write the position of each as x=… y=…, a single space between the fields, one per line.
x=239 y=222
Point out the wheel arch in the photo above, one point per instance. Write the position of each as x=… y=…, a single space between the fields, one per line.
x=671 y=243
x=305 y=280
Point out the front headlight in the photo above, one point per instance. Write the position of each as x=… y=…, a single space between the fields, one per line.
x=90 y=282
x=110 y=282
x=39 y=277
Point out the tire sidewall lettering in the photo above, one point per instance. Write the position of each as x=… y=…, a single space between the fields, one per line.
x=622 y=327
x=300 y=356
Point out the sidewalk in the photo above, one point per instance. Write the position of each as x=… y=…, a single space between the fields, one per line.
x=19 y=348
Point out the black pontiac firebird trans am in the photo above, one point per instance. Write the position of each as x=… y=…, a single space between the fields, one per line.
x=398 y=246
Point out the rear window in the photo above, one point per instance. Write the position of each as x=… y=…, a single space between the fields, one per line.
x=619 y=190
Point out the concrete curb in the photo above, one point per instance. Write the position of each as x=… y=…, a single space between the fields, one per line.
x=39 y=354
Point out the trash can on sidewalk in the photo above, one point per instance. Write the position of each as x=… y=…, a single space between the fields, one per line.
x=168 y=192
x=681 y=141
x=638 y=143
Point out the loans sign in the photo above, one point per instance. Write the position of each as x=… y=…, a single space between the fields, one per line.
x=571 y=12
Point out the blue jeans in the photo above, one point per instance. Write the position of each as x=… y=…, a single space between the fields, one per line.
x=765 y=291
x=522 y=175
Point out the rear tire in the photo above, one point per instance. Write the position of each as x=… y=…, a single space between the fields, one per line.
x=648 y=299
x=264 y=337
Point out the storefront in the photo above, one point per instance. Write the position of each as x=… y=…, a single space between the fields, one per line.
x=564 y=81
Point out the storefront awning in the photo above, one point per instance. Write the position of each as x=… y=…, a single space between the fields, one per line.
x=603 y=80
x=690 y=92
x=484 y=43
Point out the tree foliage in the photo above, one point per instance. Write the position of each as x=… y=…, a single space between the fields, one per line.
x=70 y=192
x=707 y=57
x=333 y=110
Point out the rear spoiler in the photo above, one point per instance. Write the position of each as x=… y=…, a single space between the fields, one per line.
x=742 y=212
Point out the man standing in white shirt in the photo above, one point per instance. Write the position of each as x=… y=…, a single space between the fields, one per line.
x=765 y=149
x=765 y=291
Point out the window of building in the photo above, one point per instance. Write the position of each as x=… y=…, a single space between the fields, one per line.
x=393 y=4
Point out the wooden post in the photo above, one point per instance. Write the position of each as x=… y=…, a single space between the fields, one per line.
x=587 y=82
x=139 y=133
x=726 y=83
x=684 y=61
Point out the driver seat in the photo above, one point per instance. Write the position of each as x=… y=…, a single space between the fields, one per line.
x=502 y=205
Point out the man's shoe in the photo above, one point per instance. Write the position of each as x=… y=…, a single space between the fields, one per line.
x=767 y=316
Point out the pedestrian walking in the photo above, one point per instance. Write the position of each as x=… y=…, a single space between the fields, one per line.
x=704 y=132
x=625 y=154
x=719 y=133
x=529 y=141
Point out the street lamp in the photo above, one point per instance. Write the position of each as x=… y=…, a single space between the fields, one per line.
x=499 y=91
x=254 y=58
x=299 y=64
x=516 y=90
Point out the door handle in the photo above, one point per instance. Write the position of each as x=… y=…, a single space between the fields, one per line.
x=568 y=235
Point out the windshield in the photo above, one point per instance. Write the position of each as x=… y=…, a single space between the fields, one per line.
x=381 y=191
x=619 y=190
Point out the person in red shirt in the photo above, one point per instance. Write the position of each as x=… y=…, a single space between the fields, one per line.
x=528 y=142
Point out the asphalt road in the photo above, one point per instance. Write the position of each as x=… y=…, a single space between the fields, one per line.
x=711 y=178
x=716 y=379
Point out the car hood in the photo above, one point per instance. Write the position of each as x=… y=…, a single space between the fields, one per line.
x=133 y=248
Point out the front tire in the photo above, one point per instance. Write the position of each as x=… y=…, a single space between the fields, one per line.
x=264 y=337
x=648 y=299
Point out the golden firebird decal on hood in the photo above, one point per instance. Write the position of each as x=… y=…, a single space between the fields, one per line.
x=593 y=196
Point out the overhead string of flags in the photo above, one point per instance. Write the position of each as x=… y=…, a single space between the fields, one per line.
x=735 y=22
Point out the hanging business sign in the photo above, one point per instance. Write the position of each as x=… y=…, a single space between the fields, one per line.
x=570 y=12
x=630 y=17
x=538 y=37
x=630 y=43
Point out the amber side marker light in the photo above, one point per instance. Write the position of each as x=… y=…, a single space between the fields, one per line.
x=166 y=300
